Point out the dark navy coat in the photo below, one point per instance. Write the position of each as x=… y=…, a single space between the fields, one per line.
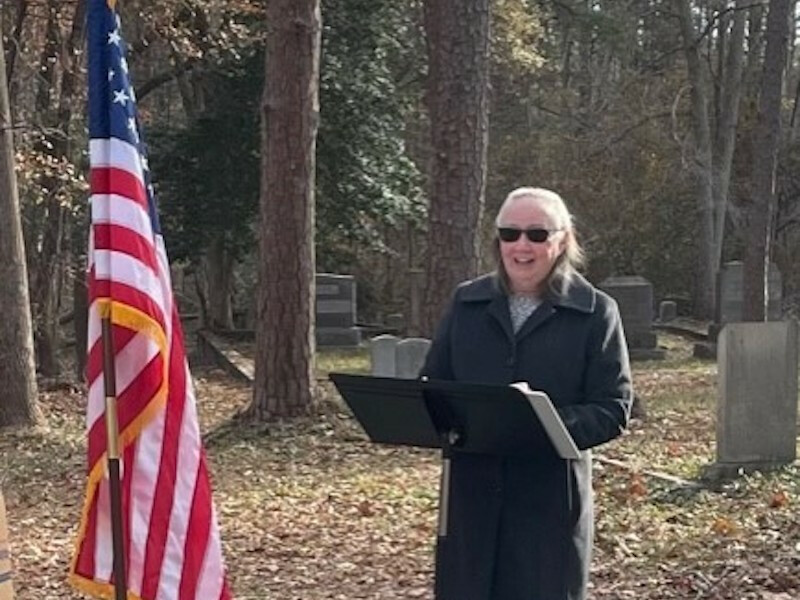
x=522 y=528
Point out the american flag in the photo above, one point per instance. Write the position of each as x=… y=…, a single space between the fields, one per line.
x=171 y=538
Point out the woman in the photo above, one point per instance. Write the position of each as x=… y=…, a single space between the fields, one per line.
x=521 y=528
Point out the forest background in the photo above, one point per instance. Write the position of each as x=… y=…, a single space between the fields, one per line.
x=669 y=126
x=643 y=114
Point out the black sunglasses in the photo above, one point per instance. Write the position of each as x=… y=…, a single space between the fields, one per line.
x=537 y=234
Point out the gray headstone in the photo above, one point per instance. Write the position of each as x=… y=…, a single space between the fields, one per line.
x=634 y=295
x=667 y=311
x=383 y=354
x=336 y=300
x=731 y=293
x=757 y=407
x=411 y=355
x=336 y=310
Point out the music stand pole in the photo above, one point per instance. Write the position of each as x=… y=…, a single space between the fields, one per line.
x=449 y=439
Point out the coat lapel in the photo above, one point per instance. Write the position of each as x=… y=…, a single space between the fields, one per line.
x=498 y=309
x=487 y=290
x=576 y=294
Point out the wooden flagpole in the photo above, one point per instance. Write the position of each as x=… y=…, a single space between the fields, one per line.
x=115 y=487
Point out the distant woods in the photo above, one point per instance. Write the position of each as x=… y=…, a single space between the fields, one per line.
x=669 y=126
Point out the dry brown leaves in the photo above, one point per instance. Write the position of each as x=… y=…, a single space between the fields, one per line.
x=309 y=510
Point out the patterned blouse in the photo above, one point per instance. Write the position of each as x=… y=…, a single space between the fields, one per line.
x=522 y=307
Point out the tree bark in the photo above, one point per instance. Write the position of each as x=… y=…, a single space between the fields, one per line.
x=760 y=207
x=18 y=393
x=701 y=165
x=727 y=120
x=284 y=369
x=457 y=35
x=714 y=141
x=218 y=266
x=15 y=46
x=755 y=44
x=46 y=265
x=47 y=278
x=80 y=321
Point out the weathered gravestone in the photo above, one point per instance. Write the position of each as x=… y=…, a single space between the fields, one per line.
x=383 y=354
x=634 y=295
x=731 y=293
x=730 y=301
x=336 y=310
x=757 y=403
x=411 y=354
x=667 y=311
x=395 y=357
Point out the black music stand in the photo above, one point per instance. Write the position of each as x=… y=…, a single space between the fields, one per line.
x=456 y=417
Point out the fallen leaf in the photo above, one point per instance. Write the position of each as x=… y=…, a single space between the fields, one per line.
x=724 y=526
x=779 y=499
x=637 y=488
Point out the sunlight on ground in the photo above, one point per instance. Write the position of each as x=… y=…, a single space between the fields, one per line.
x=342 y=360
x=310 y=510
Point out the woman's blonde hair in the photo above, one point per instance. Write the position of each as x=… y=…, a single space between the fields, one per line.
x=571 y=259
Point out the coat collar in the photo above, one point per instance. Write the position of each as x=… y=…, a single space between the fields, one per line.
x=578 y=294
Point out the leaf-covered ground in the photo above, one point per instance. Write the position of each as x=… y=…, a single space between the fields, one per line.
x=310 y=511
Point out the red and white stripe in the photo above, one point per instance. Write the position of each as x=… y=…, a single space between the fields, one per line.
x=172 y=543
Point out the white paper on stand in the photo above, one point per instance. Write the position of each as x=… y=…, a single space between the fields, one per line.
x=553 y=425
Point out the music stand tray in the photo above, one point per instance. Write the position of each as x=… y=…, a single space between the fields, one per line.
x=466 y=417
x=456 y=417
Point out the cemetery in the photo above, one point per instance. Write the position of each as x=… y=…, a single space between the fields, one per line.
x=231 y=232
x=697 y=500
x=311 y=509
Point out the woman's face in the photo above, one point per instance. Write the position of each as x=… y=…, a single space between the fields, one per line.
x=528 y=263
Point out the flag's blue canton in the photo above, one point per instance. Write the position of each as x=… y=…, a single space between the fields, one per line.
x=112 y=104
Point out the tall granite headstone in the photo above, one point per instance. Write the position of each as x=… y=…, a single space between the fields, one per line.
x=634 y=295
x=731 y=293
x=336 y=310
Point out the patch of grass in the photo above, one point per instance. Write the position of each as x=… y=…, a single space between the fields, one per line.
x=343 y=360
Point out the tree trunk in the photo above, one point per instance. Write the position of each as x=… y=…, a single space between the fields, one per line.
x=46 y=288
x=701 y=164
x=218 y=266
x=285 y=313
x=728 y=117
x=457 y=34
x=755 y=45
x=44 y=276
x=80 y=322
x=15 y=46
x=18 y=403
x=760 y=207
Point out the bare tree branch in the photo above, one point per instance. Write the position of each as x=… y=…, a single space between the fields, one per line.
x=630 y=129
x=164 y=77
